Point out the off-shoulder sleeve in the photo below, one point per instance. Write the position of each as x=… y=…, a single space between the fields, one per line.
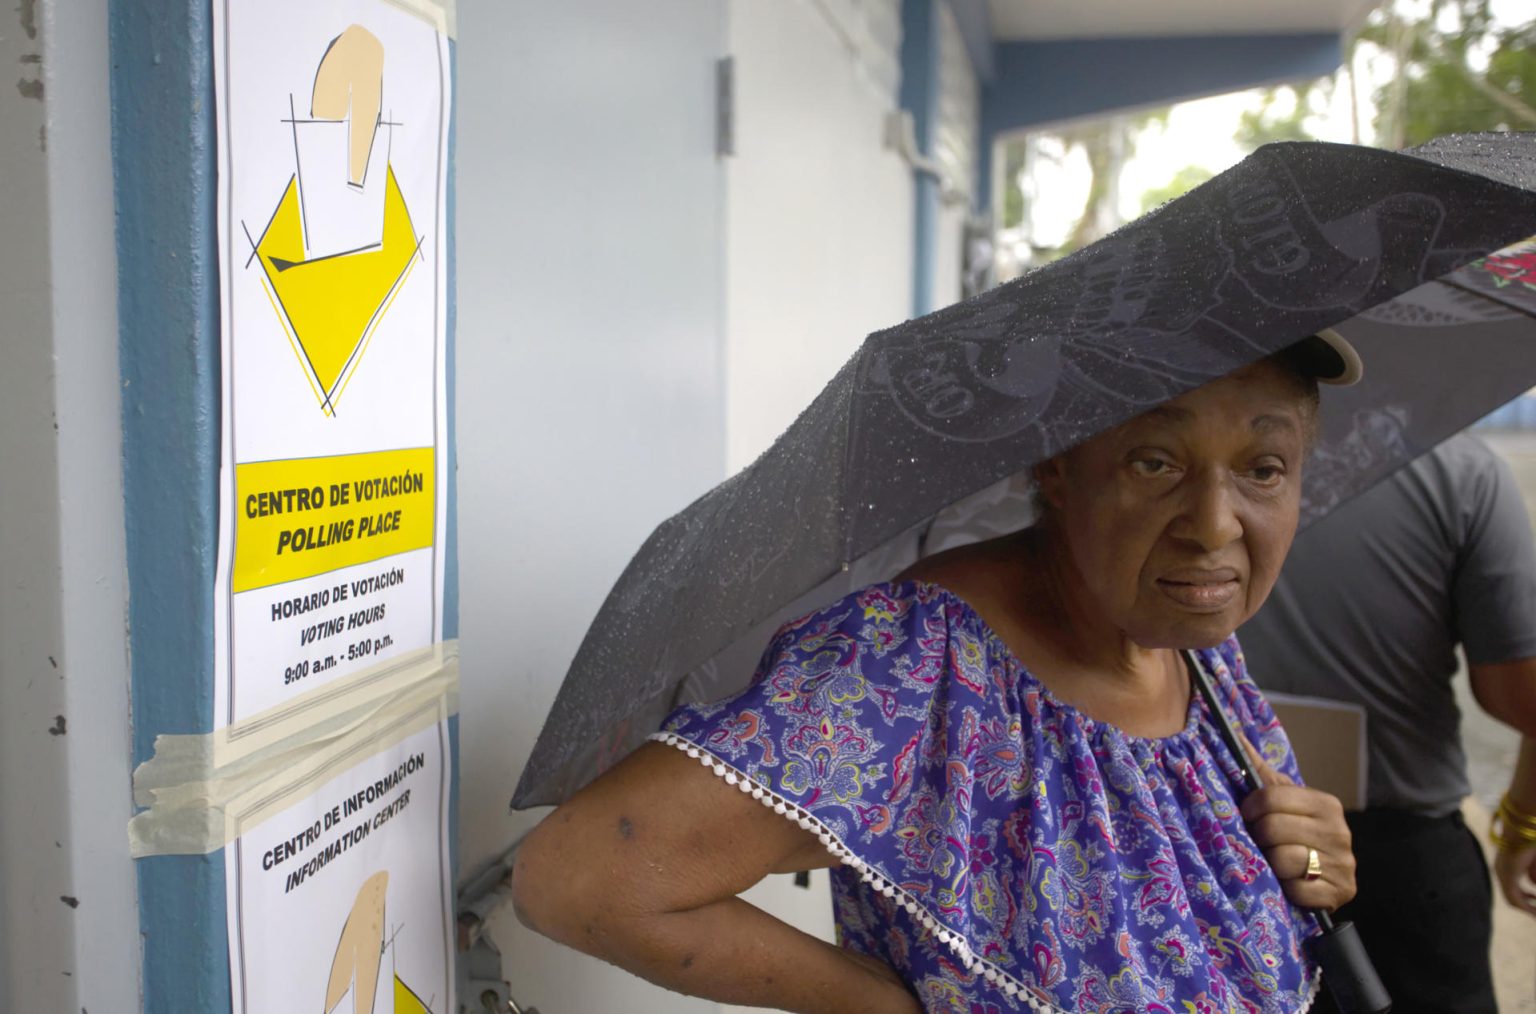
x=1055 y=857
x=845 y=702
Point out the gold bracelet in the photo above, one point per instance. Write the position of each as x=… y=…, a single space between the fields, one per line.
x=1516 y=816
x=1510 y=829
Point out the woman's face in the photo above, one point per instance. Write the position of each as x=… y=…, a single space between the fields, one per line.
x=1175 y=523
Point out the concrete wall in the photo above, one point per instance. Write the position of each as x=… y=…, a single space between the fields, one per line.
x=818 y=212
x=590 y=400
x=625 y=301
x=68 y=924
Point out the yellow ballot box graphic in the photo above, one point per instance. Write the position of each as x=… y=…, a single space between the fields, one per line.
x=330 y=305
x=340 y=243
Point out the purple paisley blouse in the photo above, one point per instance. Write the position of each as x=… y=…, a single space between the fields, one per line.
x=1001 y=850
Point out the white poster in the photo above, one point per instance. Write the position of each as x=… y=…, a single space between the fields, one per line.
x=341 y=902
x=332 y=130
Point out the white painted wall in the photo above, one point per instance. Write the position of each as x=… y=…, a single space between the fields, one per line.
x=819 y=239
x=948 y=253
x=818 y=212
x=636 y=318
x=590 y=402
x=955 y=141
x=64 y=736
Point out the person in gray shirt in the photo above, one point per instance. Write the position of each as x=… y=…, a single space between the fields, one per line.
x=1370 y=607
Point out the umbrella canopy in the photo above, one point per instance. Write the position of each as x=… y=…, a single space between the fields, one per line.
x=1386 y=247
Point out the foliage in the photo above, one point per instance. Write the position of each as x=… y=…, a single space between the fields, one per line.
x=1460 y=70
x=1282 y=116
x=1107 y=142
x=1454 y=67
x=1185 y=180
x=1013 y=194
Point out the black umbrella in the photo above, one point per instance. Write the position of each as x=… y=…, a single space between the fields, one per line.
x=1297 y=237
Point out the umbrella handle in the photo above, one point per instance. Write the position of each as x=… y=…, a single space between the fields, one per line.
x=1348 y=974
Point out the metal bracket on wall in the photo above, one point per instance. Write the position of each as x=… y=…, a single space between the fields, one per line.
x=725 y=106
x=483 y=989
x=900 y=136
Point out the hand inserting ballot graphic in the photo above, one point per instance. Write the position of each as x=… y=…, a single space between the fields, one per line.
x=359 y=955
x=340 y=243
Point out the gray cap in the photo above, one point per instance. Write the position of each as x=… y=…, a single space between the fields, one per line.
x=1329 y=357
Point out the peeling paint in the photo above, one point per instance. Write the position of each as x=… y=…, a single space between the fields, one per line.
x=30 y=89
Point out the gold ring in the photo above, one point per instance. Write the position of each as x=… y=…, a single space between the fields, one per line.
x=1314 y=865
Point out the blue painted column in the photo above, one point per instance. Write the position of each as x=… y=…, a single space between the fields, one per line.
x=451 y=523
x=920 y=98
x=164 y=150
x=165 y=171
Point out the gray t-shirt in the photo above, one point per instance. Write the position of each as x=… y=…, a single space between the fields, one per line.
x=1374 y=598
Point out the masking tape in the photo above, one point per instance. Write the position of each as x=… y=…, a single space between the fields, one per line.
x=440 y=14
x=203 y=791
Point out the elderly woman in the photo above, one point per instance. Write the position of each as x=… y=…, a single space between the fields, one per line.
x=1000 y=754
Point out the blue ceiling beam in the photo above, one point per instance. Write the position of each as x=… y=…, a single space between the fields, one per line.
x=1038 y=83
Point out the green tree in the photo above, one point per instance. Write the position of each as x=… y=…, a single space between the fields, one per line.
x=1283 y=114
x=1013 y=194
x=1458 y=70
x=1455 y=68
x=1107 y=142
x=1185 y=180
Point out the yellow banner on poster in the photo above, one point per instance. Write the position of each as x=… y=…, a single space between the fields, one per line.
x=306 y=516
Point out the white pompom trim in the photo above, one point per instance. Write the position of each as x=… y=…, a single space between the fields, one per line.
x=957 y=944
x=778 y=804
x=1312 y=988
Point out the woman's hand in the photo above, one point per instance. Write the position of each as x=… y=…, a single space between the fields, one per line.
x=1515 y=870
x=1287 y=821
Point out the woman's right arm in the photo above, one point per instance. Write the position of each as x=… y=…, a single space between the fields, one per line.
x=1507 y=691
x=642 y=868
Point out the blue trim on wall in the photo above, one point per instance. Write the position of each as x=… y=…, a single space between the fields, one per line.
x=164 y=151
x=450 y=211
x=165 y=174
x=925 y=237
x=451 y=533
x=1037 y=83
x=920 y=97
x=975 y=23
x=920 y=68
